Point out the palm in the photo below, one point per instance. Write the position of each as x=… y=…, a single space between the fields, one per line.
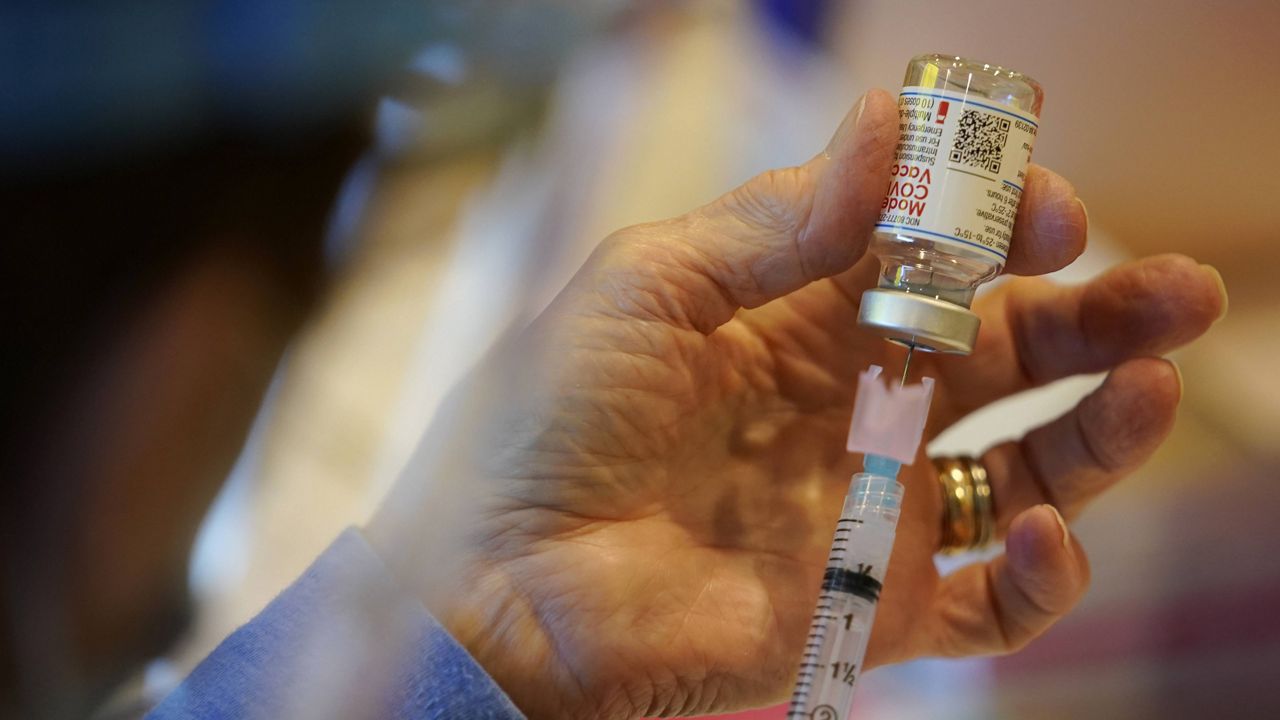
x=709 y=472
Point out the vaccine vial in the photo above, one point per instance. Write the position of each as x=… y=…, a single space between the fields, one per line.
x=966 y=133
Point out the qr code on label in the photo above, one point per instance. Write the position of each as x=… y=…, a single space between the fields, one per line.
x=980 y=140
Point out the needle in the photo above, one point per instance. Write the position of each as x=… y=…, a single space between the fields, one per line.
x=906 y=366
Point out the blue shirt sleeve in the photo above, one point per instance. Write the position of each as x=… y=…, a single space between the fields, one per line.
x=344 y=641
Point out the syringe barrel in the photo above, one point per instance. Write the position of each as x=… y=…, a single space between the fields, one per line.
x=874 y=495
x=837 y=641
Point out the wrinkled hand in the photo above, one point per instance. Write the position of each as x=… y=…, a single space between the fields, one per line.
x=627 y=509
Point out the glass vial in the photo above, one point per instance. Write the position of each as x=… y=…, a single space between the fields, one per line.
x=967 y=130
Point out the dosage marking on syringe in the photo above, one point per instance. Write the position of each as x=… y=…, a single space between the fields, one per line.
x=824 y=712
x=858 y=583
x=844 y=672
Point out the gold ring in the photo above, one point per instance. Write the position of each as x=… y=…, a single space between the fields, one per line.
x=968 y=513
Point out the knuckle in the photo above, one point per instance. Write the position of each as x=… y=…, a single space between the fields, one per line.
x=769 y=201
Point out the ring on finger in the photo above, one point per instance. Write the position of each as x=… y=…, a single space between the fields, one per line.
x=968 y=515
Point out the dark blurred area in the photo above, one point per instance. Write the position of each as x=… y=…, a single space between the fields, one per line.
x=168 y=173
x=151 y=301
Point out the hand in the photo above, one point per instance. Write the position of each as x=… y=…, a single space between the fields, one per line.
x=628 y=509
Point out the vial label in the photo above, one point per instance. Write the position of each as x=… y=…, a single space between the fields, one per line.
x=960 y=168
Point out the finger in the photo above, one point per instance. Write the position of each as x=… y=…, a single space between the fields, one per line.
x=1034 y=332
x=1069 y=461
x=1002 y=605
x=1050 y=233
x=778 y=232
x=1051 y=227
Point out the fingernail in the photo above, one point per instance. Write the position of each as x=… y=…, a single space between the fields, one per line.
x=847 y=126
x=1177 y=370
x=1084 y=209
x=1222 y=287
x=1066 y=534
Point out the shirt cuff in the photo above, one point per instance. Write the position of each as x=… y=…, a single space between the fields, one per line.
x=343 y=641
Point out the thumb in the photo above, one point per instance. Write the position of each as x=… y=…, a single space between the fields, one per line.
x=771 y=236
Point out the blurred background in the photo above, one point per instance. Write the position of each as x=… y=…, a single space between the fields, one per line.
x=505 y=161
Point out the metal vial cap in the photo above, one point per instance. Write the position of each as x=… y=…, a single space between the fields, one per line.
x=919 y=320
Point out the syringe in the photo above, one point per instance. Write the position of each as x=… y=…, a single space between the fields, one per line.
x=837 y=641
x=887 y=425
